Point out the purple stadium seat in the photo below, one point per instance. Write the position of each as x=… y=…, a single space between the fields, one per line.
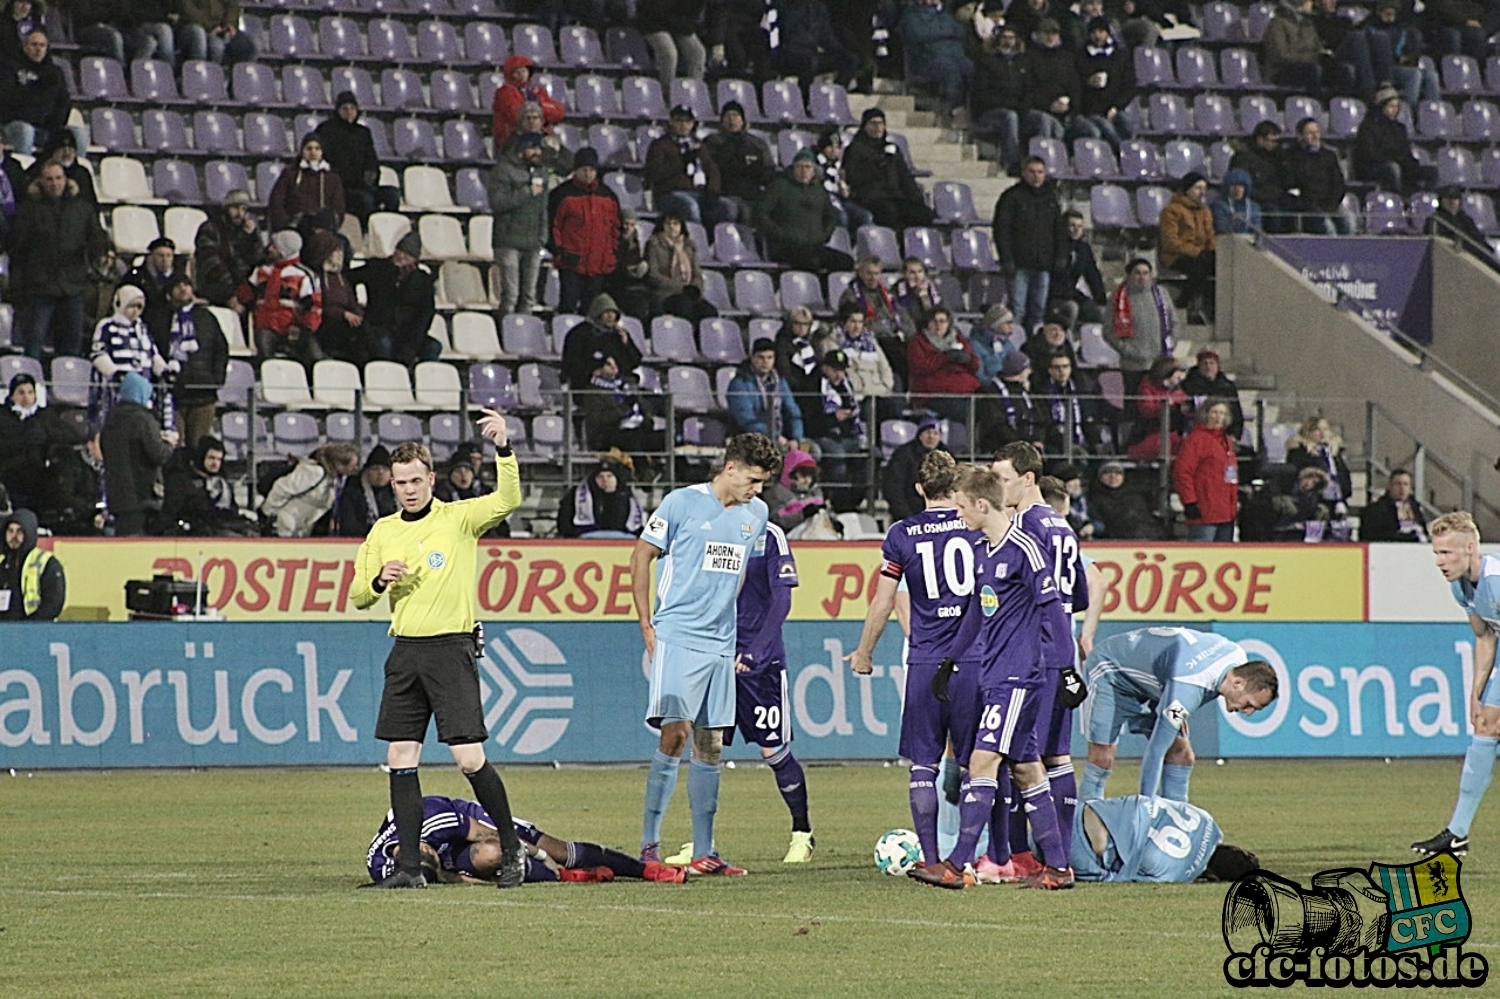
x=398 y=428
x=452 y=92
x=735 y=244
x=1240 y=70
x=357 y=80
x=380 y=137
x=953 y=202
x=462 y=142
x=1481 y=121
x=694 y=94
x=704 y=431
x=744 y=92
x=176 y=181
x=203 y=82
x=612 y=143
x=1422 y=204
x=1344 y=116
x=986 y=289
x=415 y=139
x=1256 y=108
x=1221 y=22
x=691 y=390
x=255 y=85
x=899 y=141
x=1213 y=114
x=469 y=190
x=1456 y=165
x=302 y=87
x=927 y=246
x=292 y=37
x=401 y=90
x=265 y=135
x=1109 y=207
x=1169 y=114
x=485 y=43
x=222 y=176
x=716 y=291
x=389 y=41
x=801 y=288
x=163 y=132
x=974 y=250
x=1438 y=120
x=1149 y=201
x=341 y=39
x=720 y=341
x=1052 y=152
x=1153 y=68
x=1482 y=210
x=828 y=104
x=625 y=47
x=1184 y=156
x=1489 y=167
x=113 y=129
x=266 y=172
x=594 y=96
x=893 y=434
x=1257 y=19
x=672 y=340
x=239 y=381
x=556 y=88
x=525 y=336
x=535 y=42
x=572 y=137
x=1460 y=75
x=1299 y=107
x=437 y=42
x=1140 y=161
x=880 y=241
x=1093 y=159
x=783 y=103
x=1219 y=155
x=1195 y=68
x=1384 y=213
x=305 y=124
x=754 y=293
x=580 y=48
x=294 y=433
x=492 y=386
x=641 y=97
x=102 y=79
x=629 y=189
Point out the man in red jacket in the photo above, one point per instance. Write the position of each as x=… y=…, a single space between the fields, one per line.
x=518 y=89
x=1206 y=476
x=942 y=366
x=585 y=228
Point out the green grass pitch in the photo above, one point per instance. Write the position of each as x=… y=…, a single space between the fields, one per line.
x=241 y=883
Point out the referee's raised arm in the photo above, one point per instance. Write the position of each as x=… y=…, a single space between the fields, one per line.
x=484 y=512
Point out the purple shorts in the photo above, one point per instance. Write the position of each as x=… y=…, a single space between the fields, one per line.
x=928 y=725
x=1054 y=722
x=1008 y=723
x=761 y=708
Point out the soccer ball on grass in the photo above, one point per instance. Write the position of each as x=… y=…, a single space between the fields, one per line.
x=897 y=852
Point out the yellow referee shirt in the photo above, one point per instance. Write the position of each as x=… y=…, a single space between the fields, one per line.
x=441 y=552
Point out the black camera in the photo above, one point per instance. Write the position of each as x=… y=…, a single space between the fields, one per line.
x=1344 y=912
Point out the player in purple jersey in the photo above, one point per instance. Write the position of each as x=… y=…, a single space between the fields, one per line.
x=460 y=845
x=934 y=552
x=1019 y=466
x=1014 y=590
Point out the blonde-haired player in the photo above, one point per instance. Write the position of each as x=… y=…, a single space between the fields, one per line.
x=1475 y=579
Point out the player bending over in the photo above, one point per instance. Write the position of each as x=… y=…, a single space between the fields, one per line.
x=1140 y=838
x=1151 y=680
x=460 y=845
x=1475 y=581
x=704 y=535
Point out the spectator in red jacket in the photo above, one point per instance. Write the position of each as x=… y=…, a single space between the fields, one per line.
x=518 y=89
x=1206 y=476
x=942 y=366
x=585 y=229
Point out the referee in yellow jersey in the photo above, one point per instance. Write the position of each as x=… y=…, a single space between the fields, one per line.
x=423 y=558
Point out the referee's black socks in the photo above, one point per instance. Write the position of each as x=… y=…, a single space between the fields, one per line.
x=489 y=790
x=406 y=805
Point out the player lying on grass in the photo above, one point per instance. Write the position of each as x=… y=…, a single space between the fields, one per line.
x=1140 y=838
x=460 y=845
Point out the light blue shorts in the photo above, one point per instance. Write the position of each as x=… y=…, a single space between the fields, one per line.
x=691 y=686
x=1105 y=713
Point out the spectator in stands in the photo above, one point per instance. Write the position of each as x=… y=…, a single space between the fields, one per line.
x=991 y=340
x=135 y=448
x=1260 y=155
x=1073 y=418
x=73 y=503
x=915 y=294
x=1142 y=323
x=463 y=482
x=1120 y=513
x=228 y=246
x=62 y=148
x=1205 y=474
x=671 y=29
x=56 y=235
x=304 y=495
x=683 y=179
x=616 y=415
x=795 y=496
x=554 y=157
x=349 y=150
x=1314 y=181
x=26 y=432
x=125 y=30
x=1206 y=380
x=602 y=505
x=32 y=579
x=883 y=319
x=121 y=345
x=760 y=400
x=1018 y=415
x=1304 y=516
x=1075 y=25
x=898 y=482
x=1001 y=97
x=1316 y=446
x=1160 y=390
x=155 y=276
x=520 y=88
x=626 y=284
x=879 y=177
x=197 y=344
x=1450 y=220
x=829 y=150
x=797 y=360
x=210 y=29
x=401 y=299
x=365 y=500
x=34 y=101
x=306 y=189
x=1188 y=245
x=599 y=336
x=285 y=301
x=1108 y=74
x=1027 y=15
x=585 y=227
x=1464 y=26
x=737 y=38
x=517 y=192
x=746 y=164
x=1031 y=240
x=988 y=19
x=1236 y=210
x=19 y=19
x=803 y=44
x=1292 y=50
x=1050 y=338
x=1395 y=515
x=836 y=424
x=869 y=365
x=1059 y=88
x=342 y=335
x=198 y=500
x=1383 y=151
x=673 y=274
x=796 y=218
x=934 y=42
x=1396 y=50
x=1346 y=50
x=943 y=366
x=1077 y=290
x=14 y=180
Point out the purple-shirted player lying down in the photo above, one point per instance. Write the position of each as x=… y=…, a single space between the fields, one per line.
x=460 y=845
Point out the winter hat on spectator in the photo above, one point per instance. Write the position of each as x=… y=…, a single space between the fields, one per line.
x=125 y=295
x=237 y=197
x=1450 y=192
x=378 y=456
x=1385 y=95
x=1206 y=354
x=729 y=106
x=529 y=140
x=998 y=316
x=288 y=242
x=836 y=359
x=682 y=111
x=586 y=157
x=159 y=242
x=410 y=244
x=805 y=156
x=345 y=97
x=134 y=388
x=1111 y=466
x=795 y=459
x=1015 y=363
x=829 y=137
x=528 y=107
x=1048 y=25
x=929 y=422
x=864 y=119
x=1098 y=24
x=1187 y=182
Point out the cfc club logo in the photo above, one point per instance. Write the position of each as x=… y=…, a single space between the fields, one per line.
x=526 y=698
x=1386 y=927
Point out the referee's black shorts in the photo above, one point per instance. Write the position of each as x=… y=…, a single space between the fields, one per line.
x=427 y=678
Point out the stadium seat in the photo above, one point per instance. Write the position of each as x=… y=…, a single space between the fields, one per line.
x=383 y=231
x=265 y=136
x=388 y=386
x=704 y=432
x=801 y=288
x=1153 y=68
x=672 y=340
x=595 y=96
x=1169 y=114
x=754 y=293
x=291 y=37
x=481 y=242
x=1344 y=116
x=716 y=291
x=335 y=383
x=284 y=383
x=694 y=94
x=641 y=97
x=525 y=336
x=485 y=43
x=1110 y=208
x=1182 y=157
x=233 y=326
x=452 y=92
x=1140 y=161
x=469 y=190
x=539 y=386
x=239 y=383
x=132 y=228
x=181 y=224
x=1438 y=120
x=123 y=179
x=578 y=46
x=442 y=238
x=742 y=91
x=426 y=189
x=624 y=46
x=974 y=250
x=437 y=385
x=389 y=41
x=1093 y=159
x=415 y=139
x=691 y=390
x=1213 y=114
x=474 y=335
x=1093 y=350
x=461 y=286
x=492 y=387
x=204 y=83
x=1195 y=68
x=69 y=384
x=720 y=341
x=735 y=244
x=828 y=104
x=1149 y=201
x=782 y=101
x=294 y=433
x=722 y=377
x=926 y=244
x=177 y=181
x=894 y=433
x=535 y=42
x=880 y=241
x=445 y=432
x=151 y=81
x=1460 y=75
x=1456 y=165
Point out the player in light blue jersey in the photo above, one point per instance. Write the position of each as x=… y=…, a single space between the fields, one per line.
x=1475 y=580
x=1151 y=680
x=1139 y=838
x=704 y=535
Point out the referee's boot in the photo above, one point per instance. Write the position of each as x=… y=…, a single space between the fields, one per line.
x=400 y=878
x=513 y=870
